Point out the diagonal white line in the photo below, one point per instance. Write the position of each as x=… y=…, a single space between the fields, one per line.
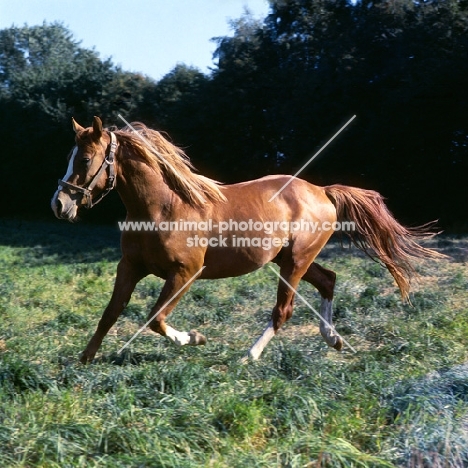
x=310 y=307
x=312 y=158
x=149 y=145
x=160 y=156
x=160 y=310
x=142 y=138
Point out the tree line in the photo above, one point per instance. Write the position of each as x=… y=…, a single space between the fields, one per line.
x=279 y=89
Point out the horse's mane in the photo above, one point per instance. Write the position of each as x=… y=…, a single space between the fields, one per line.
x=161 y=155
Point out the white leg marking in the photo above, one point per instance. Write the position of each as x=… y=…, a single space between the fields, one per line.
x=257 y=349
x=327 y=330
x=326 y=311
x=179 y=338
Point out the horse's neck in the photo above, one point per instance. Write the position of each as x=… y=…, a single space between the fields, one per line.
x=144 y=191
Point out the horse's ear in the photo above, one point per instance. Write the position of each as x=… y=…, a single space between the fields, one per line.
x=77 y=128
x=97 y=128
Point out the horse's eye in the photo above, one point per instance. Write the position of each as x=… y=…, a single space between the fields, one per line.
x=85 y=161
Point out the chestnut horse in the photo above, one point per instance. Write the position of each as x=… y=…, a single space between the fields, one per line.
x=155 y=181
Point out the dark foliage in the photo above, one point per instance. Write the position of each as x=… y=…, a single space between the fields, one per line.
x=281 y=88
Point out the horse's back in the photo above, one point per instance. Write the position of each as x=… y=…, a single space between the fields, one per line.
x=278 y=195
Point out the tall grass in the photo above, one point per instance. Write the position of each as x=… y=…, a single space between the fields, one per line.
x=401 y=400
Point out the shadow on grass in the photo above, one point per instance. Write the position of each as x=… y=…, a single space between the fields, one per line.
x=55 y=241
x=438 y=402
x=129 y=358
x=124 y=359
x=454 y=246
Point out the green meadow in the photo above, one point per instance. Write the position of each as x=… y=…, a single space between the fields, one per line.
x=400 y=400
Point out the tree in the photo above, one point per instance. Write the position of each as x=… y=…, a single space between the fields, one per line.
x=45 y=79
x=399 y=65
x=281 y=88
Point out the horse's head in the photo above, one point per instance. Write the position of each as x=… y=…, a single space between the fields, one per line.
x=90 y=174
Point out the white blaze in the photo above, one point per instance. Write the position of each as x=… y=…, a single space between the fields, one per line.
x=69 y=172
x=70 y=165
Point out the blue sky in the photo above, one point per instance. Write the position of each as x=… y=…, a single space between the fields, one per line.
x=146 y=36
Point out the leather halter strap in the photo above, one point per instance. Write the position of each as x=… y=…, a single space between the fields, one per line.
x=108 y=163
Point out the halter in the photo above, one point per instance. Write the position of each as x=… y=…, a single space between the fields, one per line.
x=108 y=162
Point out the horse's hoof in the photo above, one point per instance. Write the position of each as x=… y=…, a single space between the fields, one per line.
x=196 y=338
x=85 y=359
x=333 y=340
x=338 y=343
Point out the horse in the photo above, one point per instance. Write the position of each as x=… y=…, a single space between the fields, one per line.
x=158 y=185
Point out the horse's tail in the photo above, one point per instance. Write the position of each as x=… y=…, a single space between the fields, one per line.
x=379 y=234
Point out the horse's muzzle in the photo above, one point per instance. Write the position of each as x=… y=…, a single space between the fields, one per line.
x=63 y=206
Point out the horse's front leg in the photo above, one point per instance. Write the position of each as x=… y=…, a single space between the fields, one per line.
x=125 y=282
x=174 y=288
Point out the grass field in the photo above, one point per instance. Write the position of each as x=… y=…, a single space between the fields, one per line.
x=401 y=400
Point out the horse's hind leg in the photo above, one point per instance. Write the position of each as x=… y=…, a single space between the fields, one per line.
x=281 y=312
x=324 y=281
